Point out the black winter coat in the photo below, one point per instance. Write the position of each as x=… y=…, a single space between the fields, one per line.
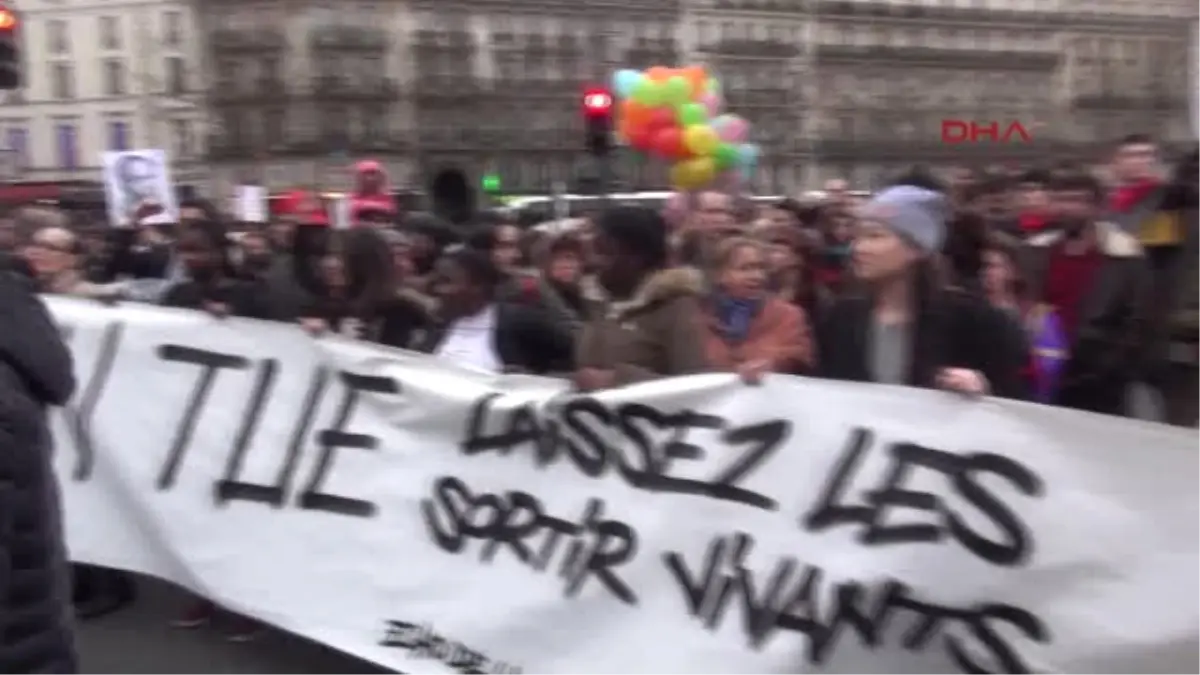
x=243 y=298
x=526 y=340
x=963 y=332
x=36 y=632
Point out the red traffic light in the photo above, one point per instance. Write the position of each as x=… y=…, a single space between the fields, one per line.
x=8 y=20
x=597 y=102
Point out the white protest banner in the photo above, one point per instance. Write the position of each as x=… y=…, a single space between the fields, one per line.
x=432 y=520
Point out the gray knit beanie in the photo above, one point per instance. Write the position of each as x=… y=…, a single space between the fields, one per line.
x=915 y=214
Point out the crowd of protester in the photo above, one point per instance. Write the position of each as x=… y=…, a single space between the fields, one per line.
x=925 y=283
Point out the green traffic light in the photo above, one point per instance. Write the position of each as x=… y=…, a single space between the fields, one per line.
x=491 y=183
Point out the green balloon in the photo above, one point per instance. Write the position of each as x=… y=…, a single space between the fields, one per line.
x=726 y=156
x=713 y=86
x=691 y=114
x=677 y=91
x=648 y=93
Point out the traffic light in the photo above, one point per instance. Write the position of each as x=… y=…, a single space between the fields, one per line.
x=490 y=183
x=10 y=50
x=597 y=118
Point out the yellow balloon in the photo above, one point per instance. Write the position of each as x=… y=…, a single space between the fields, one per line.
x=693 y=173
x=679 y=177
x=701 y=140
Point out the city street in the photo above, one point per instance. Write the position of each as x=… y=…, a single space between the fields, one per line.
x=139 y=639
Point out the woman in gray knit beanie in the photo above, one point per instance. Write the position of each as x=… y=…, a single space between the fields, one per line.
x=906 y=328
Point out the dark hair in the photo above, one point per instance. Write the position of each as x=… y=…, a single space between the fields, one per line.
x=369 y=267
x=482 y=239
x=213 y=234
x=806 y=293
x=990 y=183
x=485 y=238
x=206 y=207
x=921 y=177
x=791 y=207
x=493 y=218
x=1077 y=180
x=811 y=214
x=365 y=255
x=432 y=226
x=568 y=242
x=477 y=264
x=1135 y=139
x=1005 y=246
x=1182 y=190
x=1035 y=175
x=638 y=231
x=966 y=238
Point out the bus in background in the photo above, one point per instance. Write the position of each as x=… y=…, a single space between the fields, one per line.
x=532 y=210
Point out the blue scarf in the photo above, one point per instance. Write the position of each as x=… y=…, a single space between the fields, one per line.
x=735 y=315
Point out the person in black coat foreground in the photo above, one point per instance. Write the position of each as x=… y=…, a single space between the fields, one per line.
x=36 y=632
x=479 y=329
x=907 y=328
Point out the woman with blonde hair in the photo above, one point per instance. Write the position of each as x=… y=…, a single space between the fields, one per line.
x=751 y=330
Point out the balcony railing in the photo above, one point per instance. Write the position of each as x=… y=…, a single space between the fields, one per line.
x=345 y=88
x=263 y=91
x=247 y=40
x=348 y=38
x=958 y=58
x=224 y=146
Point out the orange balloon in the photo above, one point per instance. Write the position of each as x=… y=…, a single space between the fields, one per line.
x=659 y=74
x=697 y=78
x=634 y=114
x=625 y=130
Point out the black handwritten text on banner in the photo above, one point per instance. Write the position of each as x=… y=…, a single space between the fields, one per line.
x=697 y=524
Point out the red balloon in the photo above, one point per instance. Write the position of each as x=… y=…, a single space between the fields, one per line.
x=660 y=118
x=641 y=140
x=669 y=143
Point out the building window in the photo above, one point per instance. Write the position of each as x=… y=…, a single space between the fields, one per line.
x=181 y=133
x=172 y=28
x=67 y=144
x=335 y=121
x=17 y=139
x=114 y=77
x=62 y=78
x=118 y=135
x=176 y=76
x=56 y=37
x=374 y=124
x=110 y=33
x=274 y=127
x=270 y=69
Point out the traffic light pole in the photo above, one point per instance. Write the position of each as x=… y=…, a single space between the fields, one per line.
x=11 y=52
x=598 y=125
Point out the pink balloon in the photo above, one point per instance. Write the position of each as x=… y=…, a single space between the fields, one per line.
x=711 y=103
x=732 y=129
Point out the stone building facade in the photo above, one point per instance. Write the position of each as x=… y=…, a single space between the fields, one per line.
x=851 y=88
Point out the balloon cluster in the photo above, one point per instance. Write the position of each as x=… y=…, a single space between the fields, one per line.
x=675 y=114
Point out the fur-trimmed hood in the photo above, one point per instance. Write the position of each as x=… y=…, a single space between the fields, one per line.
x=1113 y=241
x=662 y=286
